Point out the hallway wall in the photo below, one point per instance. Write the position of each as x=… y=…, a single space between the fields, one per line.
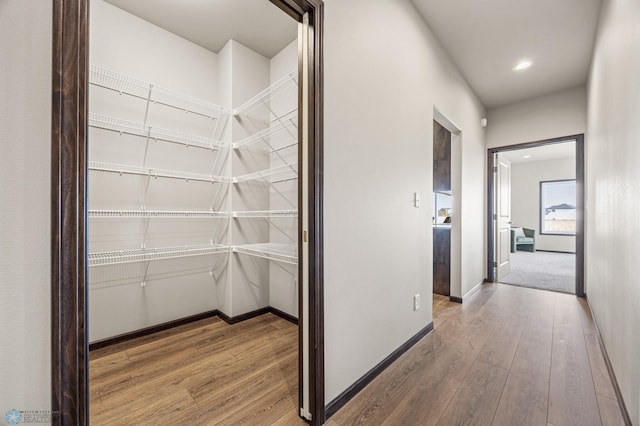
x=613 y=192
x=559 y=114
x=384 y=73
x=25 y=155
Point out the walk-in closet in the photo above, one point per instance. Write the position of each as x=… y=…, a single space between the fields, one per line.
x=192 y=215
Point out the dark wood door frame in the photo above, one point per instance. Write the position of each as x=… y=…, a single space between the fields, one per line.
x=580 y=191
x=69 y=334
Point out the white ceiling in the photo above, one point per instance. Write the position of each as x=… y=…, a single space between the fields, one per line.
x=554 y=151
x=486 y=38
x=257 y=24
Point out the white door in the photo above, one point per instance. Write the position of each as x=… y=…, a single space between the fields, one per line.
x=503 y=216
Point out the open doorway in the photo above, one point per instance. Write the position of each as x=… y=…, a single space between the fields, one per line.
x=536 y=215
x=192 y=212
x=70 y=210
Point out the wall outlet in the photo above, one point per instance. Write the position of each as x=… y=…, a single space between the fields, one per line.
x=416 y=302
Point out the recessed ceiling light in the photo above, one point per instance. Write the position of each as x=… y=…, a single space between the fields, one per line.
x=522 y=65
x=526 y=156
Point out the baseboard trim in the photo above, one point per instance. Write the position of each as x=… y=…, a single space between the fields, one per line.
x=557 y=251
x=612 y=374
x=473 y=290
x=186 y=320
x=150 y=330
x=455 y=299
x=283 y=315
x=242 y=317
x=354 y=389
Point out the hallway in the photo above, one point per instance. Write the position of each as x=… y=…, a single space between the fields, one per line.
x=509 y=355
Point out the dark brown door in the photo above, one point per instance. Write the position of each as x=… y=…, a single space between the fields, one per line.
x=441 y=233
x=442 y=261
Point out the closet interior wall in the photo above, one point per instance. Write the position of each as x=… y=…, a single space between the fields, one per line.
x=192 y=177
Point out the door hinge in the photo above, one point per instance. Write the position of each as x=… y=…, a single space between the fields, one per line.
x=495 y=264
x=495 y=216
x=495 y=169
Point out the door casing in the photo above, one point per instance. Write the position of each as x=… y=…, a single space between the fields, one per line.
x=580 y=196
x=69 y=333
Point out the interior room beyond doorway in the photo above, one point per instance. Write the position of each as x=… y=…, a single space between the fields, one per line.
x=537 y=197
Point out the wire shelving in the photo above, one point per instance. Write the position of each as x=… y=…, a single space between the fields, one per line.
x=123 y=84
x=265 y=213
x=152 y=172
x=151 y=254
x=282 y=173
x=273 y=251
x=121 y=127
x=160 y=214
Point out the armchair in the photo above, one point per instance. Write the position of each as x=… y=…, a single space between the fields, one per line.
x=523 y=239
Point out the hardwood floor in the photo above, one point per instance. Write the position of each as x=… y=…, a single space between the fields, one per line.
x=507 y=356
x=203 y=373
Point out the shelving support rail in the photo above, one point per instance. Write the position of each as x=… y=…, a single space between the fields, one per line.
x=272 y=251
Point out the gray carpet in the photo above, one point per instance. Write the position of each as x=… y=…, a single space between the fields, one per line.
x=543 y=270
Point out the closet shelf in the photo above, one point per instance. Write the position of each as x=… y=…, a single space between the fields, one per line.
x=146 y=171
x=288 y=123
x=279 y=252
x=111 y=80
x=288 y=81
x=161 y=214
x=274 y=175
x=266 y=213
x=144 y=255
x=120 y=126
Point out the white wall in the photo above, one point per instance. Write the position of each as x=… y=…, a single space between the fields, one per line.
x=558 y=114
x=525 y=198
x=25 y=146
x=613 y=192
x=382 y=82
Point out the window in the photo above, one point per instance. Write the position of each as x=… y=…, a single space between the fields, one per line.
x=558 y=207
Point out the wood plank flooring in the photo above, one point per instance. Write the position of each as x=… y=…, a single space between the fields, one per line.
x=203 y=373
x=507 y=356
